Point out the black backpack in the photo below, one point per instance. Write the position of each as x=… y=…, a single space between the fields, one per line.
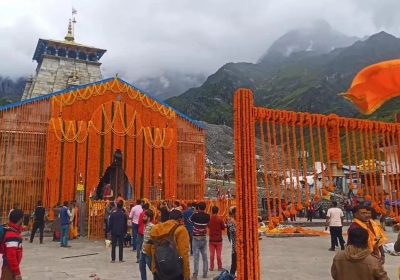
x=169 y=264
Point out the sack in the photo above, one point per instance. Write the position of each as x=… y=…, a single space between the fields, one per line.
x=225 y=275
x=169 y=264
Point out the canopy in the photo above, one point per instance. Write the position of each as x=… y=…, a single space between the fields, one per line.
x=374 y=85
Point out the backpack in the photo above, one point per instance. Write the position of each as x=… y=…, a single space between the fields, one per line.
x=3 y=229
x=225 y=275
x=169 y=264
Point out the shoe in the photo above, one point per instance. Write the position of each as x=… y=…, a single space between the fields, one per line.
x=41 y=242
x=194 y=278
x=122 y=261
x=211 y=269
x=204 y=275
x=332 y=250
x=137 y=261
x=30 y=241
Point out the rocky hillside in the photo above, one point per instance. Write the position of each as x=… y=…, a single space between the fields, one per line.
x=303 y=81
x=219 y=145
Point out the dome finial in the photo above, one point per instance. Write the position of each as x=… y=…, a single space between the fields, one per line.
x=69 y=36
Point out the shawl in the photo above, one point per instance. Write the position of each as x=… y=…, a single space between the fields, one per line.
x=377 y=231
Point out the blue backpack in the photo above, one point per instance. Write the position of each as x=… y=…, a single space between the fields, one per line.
x=225 y=275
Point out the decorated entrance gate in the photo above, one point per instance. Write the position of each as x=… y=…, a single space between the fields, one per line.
x=307 y=158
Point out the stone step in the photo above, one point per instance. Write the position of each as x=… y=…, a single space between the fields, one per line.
x=317 y=223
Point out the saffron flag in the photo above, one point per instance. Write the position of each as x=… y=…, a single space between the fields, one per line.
x=374 y=85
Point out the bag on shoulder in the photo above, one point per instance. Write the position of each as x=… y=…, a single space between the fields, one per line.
x=225 y=275
x=3 y=229
x=167 y=260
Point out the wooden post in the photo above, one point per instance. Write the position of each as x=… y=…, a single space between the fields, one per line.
x=247 y=247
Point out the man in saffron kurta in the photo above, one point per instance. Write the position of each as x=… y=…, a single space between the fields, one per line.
x=71 y=221
x=76 y=220
x=362 y=218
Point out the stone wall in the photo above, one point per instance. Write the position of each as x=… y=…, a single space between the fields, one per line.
x=53 y=73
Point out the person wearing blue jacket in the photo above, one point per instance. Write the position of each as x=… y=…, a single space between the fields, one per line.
x=64 y=215
x=189 y=226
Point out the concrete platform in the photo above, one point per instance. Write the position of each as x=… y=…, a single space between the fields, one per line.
x=281 y=258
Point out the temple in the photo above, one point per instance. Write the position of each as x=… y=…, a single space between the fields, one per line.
x=63 y=64
x=74 y=133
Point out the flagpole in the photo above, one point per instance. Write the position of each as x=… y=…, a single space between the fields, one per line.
x=73 y=22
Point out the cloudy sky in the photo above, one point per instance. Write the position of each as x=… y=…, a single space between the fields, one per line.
x=144 y=37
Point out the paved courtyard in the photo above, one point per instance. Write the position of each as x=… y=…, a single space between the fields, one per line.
x=304 y=258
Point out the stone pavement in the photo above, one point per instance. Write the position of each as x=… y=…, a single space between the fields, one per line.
x=281 y=258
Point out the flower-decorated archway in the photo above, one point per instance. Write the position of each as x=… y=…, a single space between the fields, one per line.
x=80 y=151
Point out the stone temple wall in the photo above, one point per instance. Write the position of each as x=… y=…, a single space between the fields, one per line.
x=53 y=74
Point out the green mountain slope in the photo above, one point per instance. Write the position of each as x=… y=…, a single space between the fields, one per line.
x=304 y=81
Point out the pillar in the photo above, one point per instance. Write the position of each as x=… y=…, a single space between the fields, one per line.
x=247 y=243
x=334 y=150
x=397 y=161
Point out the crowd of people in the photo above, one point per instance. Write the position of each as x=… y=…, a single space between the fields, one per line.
x=165 y=247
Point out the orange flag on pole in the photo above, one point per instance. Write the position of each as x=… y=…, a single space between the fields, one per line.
x=374 y=85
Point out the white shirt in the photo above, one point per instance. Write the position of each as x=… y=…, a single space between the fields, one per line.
x=135 y=213
x=335 y=214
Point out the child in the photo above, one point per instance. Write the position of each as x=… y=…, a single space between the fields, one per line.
x=127 y=240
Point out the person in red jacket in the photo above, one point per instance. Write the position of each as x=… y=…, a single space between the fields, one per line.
x=11 y=247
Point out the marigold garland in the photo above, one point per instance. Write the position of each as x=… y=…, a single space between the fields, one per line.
x=152 y=127
x=246 y=187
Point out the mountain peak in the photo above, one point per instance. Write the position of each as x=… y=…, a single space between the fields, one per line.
x=321 y=24
x=319 y=38
x=382 y=36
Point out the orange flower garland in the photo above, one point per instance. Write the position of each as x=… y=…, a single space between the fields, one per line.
x=106 y=125
x=246 y=187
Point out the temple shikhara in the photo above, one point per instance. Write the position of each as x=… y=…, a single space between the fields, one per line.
x=73 y=132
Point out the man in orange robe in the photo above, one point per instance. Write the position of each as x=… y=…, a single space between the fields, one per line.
x=73 y=226
x=76 y=220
